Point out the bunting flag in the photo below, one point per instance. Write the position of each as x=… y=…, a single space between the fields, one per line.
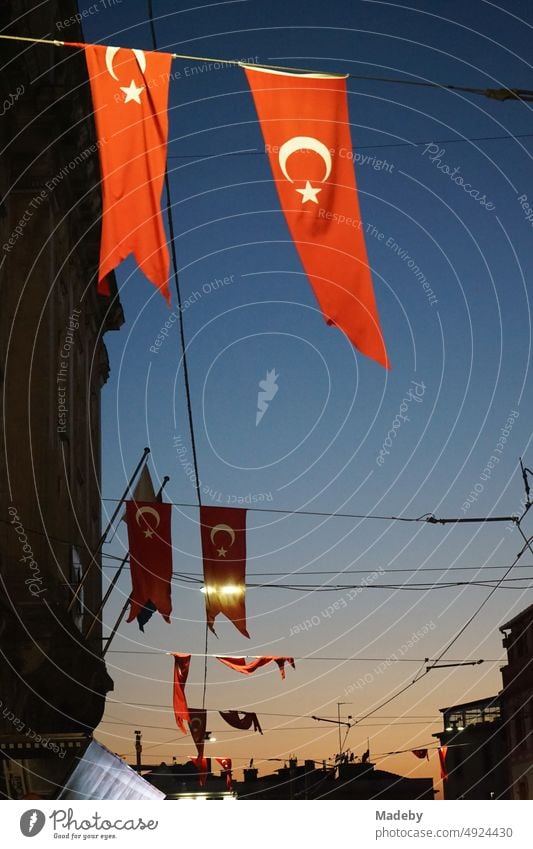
x=130 y=98
x=226 y=765
x=240 y=665
x=150 y=558
x=182 y=663
x=144 y=491
x=305 y=125
x=202 y=765
x=423 y=754
x=197 y=725
x=223 y=531
x=244 y=722
x=442 y=758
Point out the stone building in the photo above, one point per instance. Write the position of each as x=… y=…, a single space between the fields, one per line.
x=53 y=364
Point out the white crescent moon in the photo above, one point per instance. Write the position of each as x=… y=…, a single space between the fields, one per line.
x=110 y=54
x=141 y=59
x=226 y=529
x=303 y=143
x=150 y=510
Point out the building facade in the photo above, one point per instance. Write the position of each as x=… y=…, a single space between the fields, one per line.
x=53 y=364
x=517 y=701
x=476 y=750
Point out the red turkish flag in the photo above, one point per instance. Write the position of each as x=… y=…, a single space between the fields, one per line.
x=150 y=556
x=197 y=724
x=130 y=99
x=182 y=663
x=239 y=663
x=226 y=765
x=244 y=722
x=224 y=551
x=202 y=765
x=305 y=124
x=442 y=759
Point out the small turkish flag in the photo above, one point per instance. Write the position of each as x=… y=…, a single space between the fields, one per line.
x=305 y=124
x=130 y=99
x=150 y=556
x=239 y=663
x=197 y=724
x=224 y=551
x=202 y=765
x=182 y=663
x=226 y=765
x=442 y=760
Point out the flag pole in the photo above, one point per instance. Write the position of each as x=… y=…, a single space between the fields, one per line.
x=183 y=345
x=118 y=573
x=102 y=539
x=116 y=626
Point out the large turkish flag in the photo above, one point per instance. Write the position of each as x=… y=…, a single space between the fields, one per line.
x=305 y=125
x=130 y=99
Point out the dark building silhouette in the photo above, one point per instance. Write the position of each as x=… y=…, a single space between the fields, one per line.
x=517 y=701
x=53 y=364
x=476 y=757
x=293 y=781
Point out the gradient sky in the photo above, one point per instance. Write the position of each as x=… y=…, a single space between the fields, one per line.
x=317 y=446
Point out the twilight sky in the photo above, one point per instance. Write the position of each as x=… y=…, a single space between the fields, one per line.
x=460 y=374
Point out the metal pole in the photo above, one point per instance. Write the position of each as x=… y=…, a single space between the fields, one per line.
x=117 y=574
x=140 y=464
x=115 y=626
x=138 y=750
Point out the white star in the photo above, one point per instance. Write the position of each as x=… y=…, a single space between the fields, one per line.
x=309 y=193
x=222 y=552
x=148 y=533
x=132 y=92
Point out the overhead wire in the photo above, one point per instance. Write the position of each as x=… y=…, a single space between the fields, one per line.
x=500 y=94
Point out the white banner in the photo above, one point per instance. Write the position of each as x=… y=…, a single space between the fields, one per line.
x=264 y=824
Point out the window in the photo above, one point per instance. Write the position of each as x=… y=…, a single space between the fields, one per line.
x=76 y=572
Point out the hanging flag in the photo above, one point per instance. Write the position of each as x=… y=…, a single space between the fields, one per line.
x=240 y=665
x=423 y=754
x=442 y=758
x=181 y=672
x=130 y=100
x=244 y=722
x=197 y=724
x=305 y=125
x=223 y=531
x=144 y=491
x=150 y=559
x=145 y=614
x=202 y=765
x=226 y=765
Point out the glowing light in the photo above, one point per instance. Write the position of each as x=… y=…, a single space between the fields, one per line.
x=227 y=589
x=230 y=588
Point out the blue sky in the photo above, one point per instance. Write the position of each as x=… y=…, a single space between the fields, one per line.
x=317 y=446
